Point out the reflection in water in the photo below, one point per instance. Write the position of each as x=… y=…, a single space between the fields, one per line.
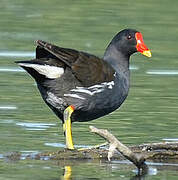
x=67 y=172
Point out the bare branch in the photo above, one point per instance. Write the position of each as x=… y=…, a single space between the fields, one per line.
x=137 y=159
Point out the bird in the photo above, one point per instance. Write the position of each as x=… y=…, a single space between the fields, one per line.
x=79 y=86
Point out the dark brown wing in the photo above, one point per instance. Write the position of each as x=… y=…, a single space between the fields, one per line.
x=87 y=68
x=91 y=70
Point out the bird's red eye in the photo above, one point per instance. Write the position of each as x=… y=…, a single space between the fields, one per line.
x=129 y=37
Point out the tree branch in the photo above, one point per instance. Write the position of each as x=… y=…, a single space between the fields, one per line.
x=137 y=159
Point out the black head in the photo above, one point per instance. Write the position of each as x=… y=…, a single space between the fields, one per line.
x=129 y=41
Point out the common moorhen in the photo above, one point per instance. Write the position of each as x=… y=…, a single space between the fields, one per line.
x=79 y=86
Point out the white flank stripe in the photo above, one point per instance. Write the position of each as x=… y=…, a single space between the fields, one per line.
x=109 y=84
x=86 y=91
x=94 y=89
x=98 y=91
x=96 y=86
x=82 y=90
x=50 y=72
x=74 y=96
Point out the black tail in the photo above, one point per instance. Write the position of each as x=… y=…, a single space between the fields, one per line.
x=68 y=56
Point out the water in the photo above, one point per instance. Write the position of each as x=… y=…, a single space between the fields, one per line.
x=17 y=54
x=148 y=115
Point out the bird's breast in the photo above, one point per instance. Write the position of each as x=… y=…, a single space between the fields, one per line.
x=98 y=100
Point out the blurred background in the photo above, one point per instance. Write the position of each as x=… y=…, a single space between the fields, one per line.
x=148 y=115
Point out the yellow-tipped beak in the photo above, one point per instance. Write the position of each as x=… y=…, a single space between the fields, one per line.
x=147 y=53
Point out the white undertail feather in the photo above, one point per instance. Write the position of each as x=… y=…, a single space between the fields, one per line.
x=51 y=72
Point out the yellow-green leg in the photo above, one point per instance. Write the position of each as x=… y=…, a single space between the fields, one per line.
x=67 y=127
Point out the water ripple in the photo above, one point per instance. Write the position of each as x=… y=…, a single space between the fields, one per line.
x=35 y=126
x=1 y=156
x=63 y=145
x=8 y=107
x=162 y=72
x=6 y=121
x=11 y=69
x=31 y=154
x=132 y=67
x=171 y=139
x=16 y=54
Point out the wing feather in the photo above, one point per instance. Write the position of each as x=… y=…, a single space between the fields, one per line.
x=87 y=68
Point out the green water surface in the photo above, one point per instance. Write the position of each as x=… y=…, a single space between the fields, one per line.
x=148 y=115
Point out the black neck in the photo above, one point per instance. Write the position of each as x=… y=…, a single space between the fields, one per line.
x=118 y=60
